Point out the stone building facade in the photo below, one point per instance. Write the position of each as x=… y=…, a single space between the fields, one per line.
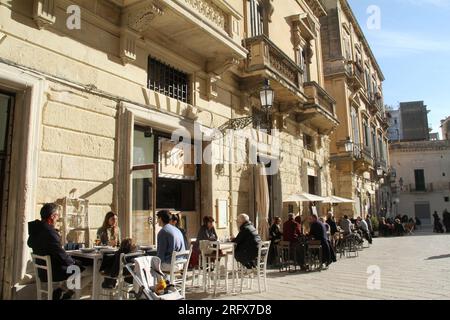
x=359 y=145
x=421 y=185
x=90 y=108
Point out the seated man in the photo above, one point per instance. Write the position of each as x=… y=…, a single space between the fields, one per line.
x=362 y=224
x=45 y=240
x=346 y=225
x=247 y=241
x=318 y=232
x=292 y=232
x=170 y=239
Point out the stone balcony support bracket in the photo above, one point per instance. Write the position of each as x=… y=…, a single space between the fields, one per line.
x=44 y=13
x=128 y=46
x=138 y=17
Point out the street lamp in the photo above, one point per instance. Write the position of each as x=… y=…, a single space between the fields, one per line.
x=348 y=145
x=267 y=96
x=379 y=171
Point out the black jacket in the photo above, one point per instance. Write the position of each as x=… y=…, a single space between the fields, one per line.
x=45 y=240
x=318 y=231
x=247 y=241
x=275 y=233
x=333 y=226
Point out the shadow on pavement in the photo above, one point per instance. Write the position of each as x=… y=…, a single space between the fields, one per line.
x=443 y=256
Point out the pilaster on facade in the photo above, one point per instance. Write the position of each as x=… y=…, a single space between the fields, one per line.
x=44 y=13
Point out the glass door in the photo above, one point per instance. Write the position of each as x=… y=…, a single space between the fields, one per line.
x=143 y=204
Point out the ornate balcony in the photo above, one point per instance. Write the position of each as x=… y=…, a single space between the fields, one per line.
x=355 y=75
x=363 y=159
x=207 y=29
x=320 y=107
x=267 y=61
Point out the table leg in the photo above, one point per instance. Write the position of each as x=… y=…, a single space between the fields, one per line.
x=95 y=279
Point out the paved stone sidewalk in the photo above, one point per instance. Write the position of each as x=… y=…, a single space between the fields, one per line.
x=412 y=267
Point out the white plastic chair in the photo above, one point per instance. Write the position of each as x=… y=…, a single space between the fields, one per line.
x=179 y=269
x=122 y=288
x=261 y=268
x=47 y=267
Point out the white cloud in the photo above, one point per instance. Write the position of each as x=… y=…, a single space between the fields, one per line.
x=393 y=43
x=436 y=3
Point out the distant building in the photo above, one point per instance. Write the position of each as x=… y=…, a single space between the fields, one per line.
x=421 y=179
x=409 y=122
x=445 y=126
x=395 y=125
x=414 y=121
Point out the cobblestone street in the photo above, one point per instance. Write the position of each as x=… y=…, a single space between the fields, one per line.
x=412 y=267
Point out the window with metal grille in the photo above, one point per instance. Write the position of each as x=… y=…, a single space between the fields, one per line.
x=167 y=80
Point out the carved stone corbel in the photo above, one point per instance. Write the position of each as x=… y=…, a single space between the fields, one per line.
x=269 y=9
x=44 y=13
x=211 y=83
x=139 y=17
x=220 y=66
x=127 y=46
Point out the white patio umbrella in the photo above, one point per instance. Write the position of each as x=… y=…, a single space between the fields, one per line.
x=304 y=197
x=262 y=202
x=336 y=199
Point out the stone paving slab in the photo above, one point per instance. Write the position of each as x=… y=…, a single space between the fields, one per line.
x=411 y=267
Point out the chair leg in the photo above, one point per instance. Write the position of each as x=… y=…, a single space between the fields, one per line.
x=259 y=280
x=242 y=278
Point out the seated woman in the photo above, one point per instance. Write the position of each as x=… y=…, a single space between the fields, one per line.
x=111 y=264
x=175 y=221
x=109 y=232
x=206 y=232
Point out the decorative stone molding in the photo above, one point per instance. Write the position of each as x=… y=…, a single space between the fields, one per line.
x=44 y=13
x=269 y=9
x=140 y=17
x=210 y=11
x=127 y=46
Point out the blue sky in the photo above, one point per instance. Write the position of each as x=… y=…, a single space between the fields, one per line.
x=412 y=47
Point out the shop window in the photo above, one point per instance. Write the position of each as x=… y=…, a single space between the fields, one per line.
x=175 y=194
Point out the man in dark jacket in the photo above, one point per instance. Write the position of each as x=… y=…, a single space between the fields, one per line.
x=318 y=232
x=247 y=241
x=45 y=240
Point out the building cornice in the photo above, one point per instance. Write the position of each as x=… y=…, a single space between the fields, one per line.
x=419 y=146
